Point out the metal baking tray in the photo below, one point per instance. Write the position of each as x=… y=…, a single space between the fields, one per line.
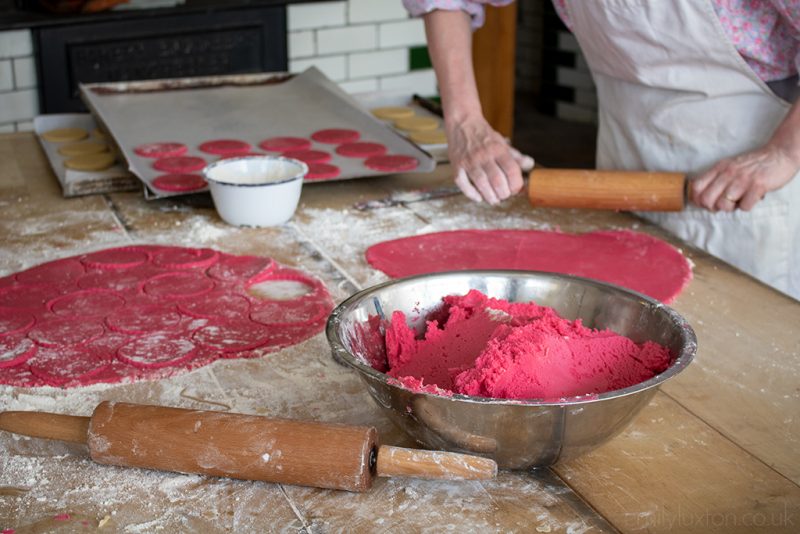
x=250 y=107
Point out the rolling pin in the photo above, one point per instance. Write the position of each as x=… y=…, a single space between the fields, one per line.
x=248 y=447
x=607 y=190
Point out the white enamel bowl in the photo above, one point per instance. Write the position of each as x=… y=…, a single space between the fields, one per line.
x=256 y=190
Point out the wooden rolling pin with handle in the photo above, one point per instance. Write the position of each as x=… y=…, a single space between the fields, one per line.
x=242 y=446
x=607 y=190
x=577 y=188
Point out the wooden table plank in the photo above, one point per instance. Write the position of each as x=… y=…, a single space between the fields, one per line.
x=514 y=502
x=671 y=472
x=745 y=380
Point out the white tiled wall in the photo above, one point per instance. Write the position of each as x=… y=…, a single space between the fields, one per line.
x=19 y=102
x=361 y=44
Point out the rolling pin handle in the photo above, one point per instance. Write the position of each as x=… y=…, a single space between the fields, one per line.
x=45 y=425
x=433 y=465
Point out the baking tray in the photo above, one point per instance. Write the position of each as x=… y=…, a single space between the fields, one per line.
x=249 y=107
x=76 y=183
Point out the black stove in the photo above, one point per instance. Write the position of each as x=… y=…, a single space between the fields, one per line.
x=197 y=38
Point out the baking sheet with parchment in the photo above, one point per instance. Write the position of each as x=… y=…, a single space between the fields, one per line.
x=250 y=108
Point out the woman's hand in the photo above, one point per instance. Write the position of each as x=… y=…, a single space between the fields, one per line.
x=742 y=181
x=486 y=166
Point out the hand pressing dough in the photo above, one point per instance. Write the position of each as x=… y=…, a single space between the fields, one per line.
x=64 y=135
x=91 y=162
x=79 y=149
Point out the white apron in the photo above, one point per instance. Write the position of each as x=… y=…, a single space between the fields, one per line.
x=675 y=95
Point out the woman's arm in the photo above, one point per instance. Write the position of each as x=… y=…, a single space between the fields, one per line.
x=485 y=166
x=742 y=181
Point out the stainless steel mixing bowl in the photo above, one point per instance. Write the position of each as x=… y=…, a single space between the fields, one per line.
x=517 y=434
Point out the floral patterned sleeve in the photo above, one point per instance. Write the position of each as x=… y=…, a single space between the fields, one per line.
x=474 y=8
x=789 y=14
x=766 y=33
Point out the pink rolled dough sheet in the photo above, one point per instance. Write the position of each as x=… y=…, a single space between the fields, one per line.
x=148 y=312
x=630 y=259
x=480 y=346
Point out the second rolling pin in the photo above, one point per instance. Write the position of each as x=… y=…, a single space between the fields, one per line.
x=607 y=190
x=250 y=447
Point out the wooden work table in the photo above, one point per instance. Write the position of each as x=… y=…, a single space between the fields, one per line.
x=718 y=449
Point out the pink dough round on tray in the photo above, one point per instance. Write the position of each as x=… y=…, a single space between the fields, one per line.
x=284 y=143
x=361 y=150
x=224 y=147
x=162 y=149
x=179 y=183
x=391 y=163
x=308 y=156
x=335 y=136
x=322 y=171
x=180 y=164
